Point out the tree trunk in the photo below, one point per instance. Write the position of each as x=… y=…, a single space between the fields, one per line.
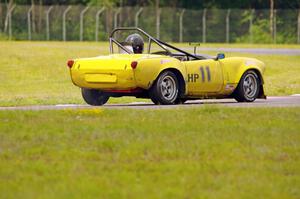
x=1 y=17
x=109 y=21
x=33 y=16
x=272 y=19
x=8 y=7
x=39 y=28
x=157 y=19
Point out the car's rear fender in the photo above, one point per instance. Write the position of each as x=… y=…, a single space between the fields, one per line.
x=149 y=69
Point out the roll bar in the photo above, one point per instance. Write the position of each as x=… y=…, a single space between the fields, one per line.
x=162 y=44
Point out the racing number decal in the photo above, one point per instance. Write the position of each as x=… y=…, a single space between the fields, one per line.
x=194 y=77
x=203 y=73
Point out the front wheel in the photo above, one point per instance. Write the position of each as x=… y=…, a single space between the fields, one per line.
x=94 y=97
x=248 y=87
x=165 y=89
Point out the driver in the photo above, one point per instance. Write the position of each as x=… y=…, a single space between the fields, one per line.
x=137 y=43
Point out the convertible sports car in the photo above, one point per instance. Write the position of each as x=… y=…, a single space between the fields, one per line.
x=164 y=73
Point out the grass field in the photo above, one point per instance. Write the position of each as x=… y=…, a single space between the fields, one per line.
x=204 y=152
x=36 y=72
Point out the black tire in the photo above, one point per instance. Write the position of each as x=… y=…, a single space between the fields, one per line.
x=180 y=101
x=248 y=87
x=94 y=97
x=165 y=89
x=154 y=101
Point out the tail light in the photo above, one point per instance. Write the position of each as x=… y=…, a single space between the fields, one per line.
x=134 y=64
x=70 y=63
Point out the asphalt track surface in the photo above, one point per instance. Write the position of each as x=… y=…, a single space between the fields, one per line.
x=268 y=51
x=284 y=101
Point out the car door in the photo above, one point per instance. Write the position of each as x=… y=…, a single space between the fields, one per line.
x=204 y=76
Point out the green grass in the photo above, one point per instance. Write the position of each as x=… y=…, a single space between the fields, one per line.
x=243 y=45
x=36 y=72
x=204 y=152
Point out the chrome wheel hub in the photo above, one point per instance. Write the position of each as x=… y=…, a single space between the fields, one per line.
x=168 y=87
x=250 y=85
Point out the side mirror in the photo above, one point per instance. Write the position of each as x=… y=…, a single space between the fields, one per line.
x=220 y=56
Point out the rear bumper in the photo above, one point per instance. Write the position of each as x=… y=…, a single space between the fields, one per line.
x=100 y=78
x=103 y=79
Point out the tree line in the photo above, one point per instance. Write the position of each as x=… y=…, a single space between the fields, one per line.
x=189 y=4
x=280 y=22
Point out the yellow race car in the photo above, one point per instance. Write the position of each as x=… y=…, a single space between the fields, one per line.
x=167 y=75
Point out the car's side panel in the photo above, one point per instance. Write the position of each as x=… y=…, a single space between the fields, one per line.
x=148 y=69
x=204 y=76
x=115 y=71
x=235 y=67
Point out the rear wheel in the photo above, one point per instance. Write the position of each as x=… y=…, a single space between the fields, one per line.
x=154 y=100
x=165 y=89
x=248 y=87
x=94 y=97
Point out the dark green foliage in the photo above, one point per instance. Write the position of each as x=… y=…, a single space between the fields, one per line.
x=286 y=19
x=192 y=4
